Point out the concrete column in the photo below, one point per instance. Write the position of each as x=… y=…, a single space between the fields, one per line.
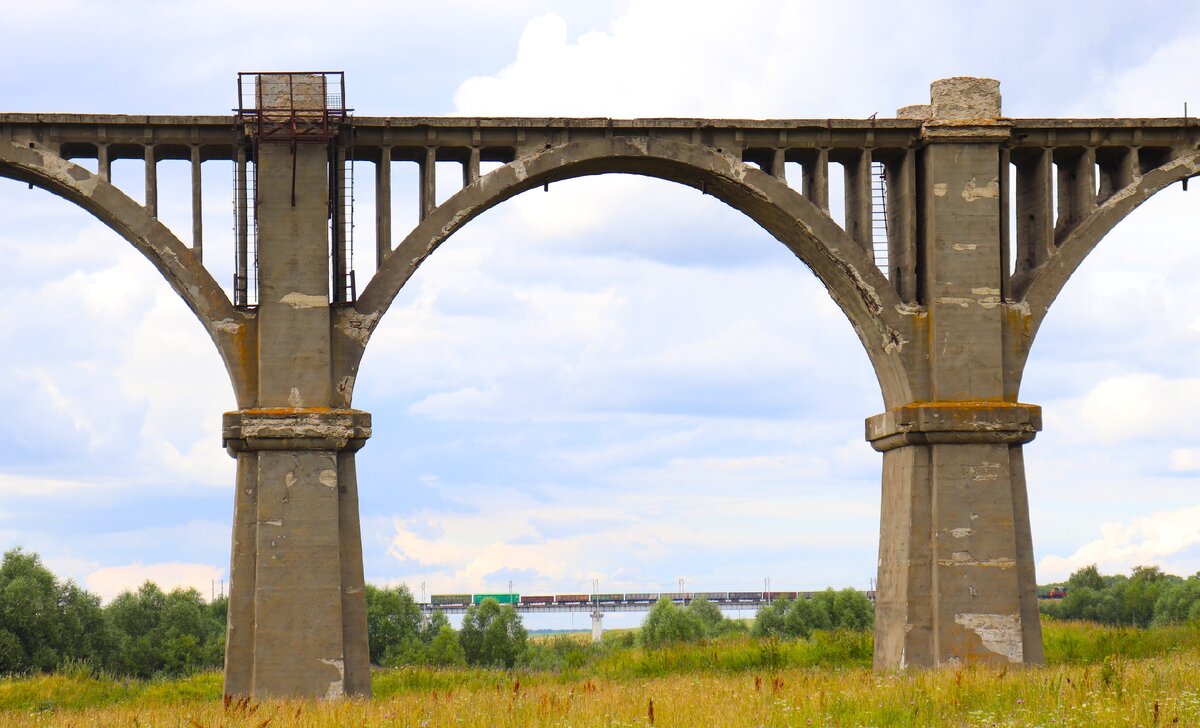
x=472 y=168
x=1035 y=209
x=428 y=176
x=857 y=167
x=956 y=581
x=816 y=179
x=902 y=224
x=151 y=182
x=778 y=168
x=1118 y=168
x=293 y=277
x=103 y=162
x=297 y=611
x=197 y=206
x=597 y=626
x=1076 y=186
x=297 y=616
x=383 y=206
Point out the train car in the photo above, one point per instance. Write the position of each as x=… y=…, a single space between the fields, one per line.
x=644 y=598
x=502 y=598
x=607 y=598
x=450 y=600
x=790 y=596
x=1055 y=592
x=749 y=596
x=676 y=596
x=571 y=599
x=712 y=596
x=530 y=599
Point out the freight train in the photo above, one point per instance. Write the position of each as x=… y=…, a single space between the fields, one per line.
x=466 y=600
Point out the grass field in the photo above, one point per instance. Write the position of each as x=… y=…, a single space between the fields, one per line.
x=1096 y=676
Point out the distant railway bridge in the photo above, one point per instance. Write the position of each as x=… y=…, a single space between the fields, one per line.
x=597 y=605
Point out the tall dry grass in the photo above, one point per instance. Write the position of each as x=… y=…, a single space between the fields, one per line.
x=1092 y=684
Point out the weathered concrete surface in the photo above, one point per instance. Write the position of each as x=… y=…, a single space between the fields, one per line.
x=947 y=330
x=955 y=562
x=297 y=582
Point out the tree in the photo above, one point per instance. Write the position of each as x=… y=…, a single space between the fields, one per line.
x=433 y=627
x=28 y=612
x=708 y=616
x=1177 y=601
x=1141 y=593
x=158 y=633
x=44 y=622
x=393 y=625
x=803 y=617
x=667 y=624
x=445 y=650
x=492 y=635
x=771 y=620
x=852 y=610
x=1087 y=577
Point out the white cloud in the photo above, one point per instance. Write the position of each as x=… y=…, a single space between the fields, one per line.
x=41 y=487
x=1145 y=541
x=671 y=58
x=110 y=581
x=1132 y=407
x=1153 y=88
x=1185 y=460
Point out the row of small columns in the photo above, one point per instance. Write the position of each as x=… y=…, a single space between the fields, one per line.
x=1038 y=169
x=104 y=169
x=815 y=186
x=427 y=191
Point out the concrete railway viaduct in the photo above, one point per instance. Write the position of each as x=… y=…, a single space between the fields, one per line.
x=987 y=218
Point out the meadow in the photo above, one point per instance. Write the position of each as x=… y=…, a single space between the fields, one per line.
x=1095 y=676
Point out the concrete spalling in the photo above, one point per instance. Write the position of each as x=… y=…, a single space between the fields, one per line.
x=961 y=227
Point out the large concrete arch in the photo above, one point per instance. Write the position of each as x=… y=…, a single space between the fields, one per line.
x=1039 y=290
x=226 y=326
x=842 y=265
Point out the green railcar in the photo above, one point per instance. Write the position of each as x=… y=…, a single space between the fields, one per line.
x=502 y=598
x=607 y=598
x=450 y=600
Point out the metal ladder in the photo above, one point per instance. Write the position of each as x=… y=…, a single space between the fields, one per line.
x=245 y=222
x=342 y=229
x=879 y=222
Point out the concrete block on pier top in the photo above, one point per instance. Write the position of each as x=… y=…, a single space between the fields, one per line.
x=965 y=97
x=957 y=98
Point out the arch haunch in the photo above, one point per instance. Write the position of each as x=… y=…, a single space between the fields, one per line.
x=227 y=327
x=1039 y=290
x=851 y=277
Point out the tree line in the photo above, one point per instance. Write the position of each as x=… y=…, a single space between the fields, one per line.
x=47 y=624
x=1148 y=597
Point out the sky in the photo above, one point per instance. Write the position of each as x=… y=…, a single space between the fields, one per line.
x=619 y=379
